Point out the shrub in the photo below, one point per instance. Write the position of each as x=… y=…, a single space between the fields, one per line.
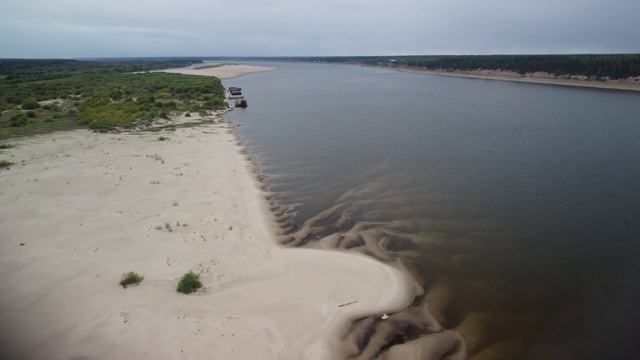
x=130 y=278
x=5 y=164
x=30 y=105
x=213 y=104
x=18 y=120
x=31 y=114
x=7 y=146
x=162 y=138
x=187 y=115
x=190 y=282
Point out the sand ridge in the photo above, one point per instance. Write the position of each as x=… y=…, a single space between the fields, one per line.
x=630 y=84
x=224 y=71
x=80 y=208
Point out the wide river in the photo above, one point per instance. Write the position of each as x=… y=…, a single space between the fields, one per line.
x=520 y=203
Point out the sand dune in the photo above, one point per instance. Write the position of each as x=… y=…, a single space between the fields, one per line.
x=225 y=71
x=630 y=84
x=80 y=208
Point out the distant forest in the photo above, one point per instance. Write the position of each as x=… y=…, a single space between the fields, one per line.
x=23 y=70
x=614 y=66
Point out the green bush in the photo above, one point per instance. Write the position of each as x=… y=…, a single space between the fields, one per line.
x=190 y=282
x=18 y=120
x=5 y=164
x=130 y=278
x=31 y=114
x=214 y=104
x=30 y=105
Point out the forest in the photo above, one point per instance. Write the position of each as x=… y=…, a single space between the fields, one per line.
x=43 y=95
x=613 y=66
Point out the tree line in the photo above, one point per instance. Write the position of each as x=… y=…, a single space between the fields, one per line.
x=613 y=66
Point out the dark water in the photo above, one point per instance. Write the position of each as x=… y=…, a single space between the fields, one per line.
x=521 y=201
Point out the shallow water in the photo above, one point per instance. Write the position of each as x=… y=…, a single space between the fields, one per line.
x=518 y=204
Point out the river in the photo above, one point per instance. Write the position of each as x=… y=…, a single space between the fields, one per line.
x=518 y=203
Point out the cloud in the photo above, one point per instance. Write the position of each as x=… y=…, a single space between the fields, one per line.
x=90 y=28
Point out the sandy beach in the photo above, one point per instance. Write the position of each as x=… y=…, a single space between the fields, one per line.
x=224 y=71
x=546 y=79
x=78 y=209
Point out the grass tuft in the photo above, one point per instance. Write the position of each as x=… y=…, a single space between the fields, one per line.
x=130 y=278
x=189 y=283
x=5 y=164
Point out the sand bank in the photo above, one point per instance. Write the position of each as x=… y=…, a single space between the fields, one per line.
x=537 y=78
x=79 y=209
x=225 y=71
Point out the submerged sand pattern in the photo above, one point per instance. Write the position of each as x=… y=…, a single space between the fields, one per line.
x=456 y=314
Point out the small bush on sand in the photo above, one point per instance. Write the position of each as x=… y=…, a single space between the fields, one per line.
x=190 y=282
x=162 y=138
x=7 y=146
x=187 y=115
x=5 y=164
x=130 y=278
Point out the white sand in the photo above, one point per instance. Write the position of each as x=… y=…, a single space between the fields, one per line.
x=86 y=206
x=630 y=84
x=225 y=71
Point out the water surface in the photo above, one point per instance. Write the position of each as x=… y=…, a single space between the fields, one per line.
x=521 y=200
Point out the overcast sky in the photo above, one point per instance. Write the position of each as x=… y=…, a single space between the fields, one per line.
x=113 y=28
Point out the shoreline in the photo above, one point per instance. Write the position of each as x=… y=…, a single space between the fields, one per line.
x=614 y=85
x=83 y=208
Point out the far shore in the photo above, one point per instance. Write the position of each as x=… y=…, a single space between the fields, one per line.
x=620 y=85
x=224 y=71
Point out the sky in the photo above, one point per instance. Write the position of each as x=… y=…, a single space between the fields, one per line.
x=127 y=28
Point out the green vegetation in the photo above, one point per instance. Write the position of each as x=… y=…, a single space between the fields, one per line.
x=5 y=164
x=190 y=282
x=7 y=146
x=614 y=66
x=30 y=105
x=18 y=120
x=45 y=95
x=17 y=71
x=130 y=278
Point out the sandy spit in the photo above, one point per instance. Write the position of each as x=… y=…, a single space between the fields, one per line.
x=225 y=71
x=538 y=78
x=79 y=209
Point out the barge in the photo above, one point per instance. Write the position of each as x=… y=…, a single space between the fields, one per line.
x=235 y=93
